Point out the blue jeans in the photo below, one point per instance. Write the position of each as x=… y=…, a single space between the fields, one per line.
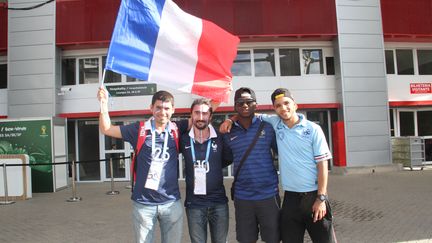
x=216 y=217
x=170 y=218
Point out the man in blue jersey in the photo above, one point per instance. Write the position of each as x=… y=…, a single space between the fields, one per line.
x=156 y=194
x=256 y=197
x=303 y=159
x=205 y=156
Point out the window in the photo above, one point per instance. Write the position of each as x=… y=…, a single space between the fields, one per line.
x=68 y=71
x=406 y=123
x=392 y=130
x=3 y=76
x=424 y=122
x=404 y=59
x=286 y=61
x=88 y=70
x=264 y=62
x=242 y=64
x=330 y=66
x=289 y=62
x=130 y=79
x=110 y=76
x=389 y=59
x=424 y=58
x=312 y=61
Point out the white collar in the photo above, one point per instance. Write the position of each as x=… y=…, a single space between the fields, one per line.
x=148 y=125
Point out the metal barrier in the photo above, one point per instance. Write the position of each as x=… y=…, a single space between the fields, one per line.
x=112 y=192
x=6 y=197
x=130 y=185
x=74 y=197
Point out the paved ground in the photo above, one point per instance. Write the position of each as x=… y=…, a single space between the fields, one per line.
x=374 y=207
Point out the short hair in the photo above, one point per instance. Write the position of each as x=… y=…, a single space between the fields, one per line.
x=202 y=101
x=163 y=96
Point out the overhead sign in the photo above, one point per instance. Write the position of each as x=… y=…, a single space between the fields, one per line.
x=421 y=88
x=131 y=90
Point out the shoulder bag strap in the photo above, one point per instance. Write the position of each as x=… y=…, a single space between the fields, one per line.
x=246 y=154
x=141 y=139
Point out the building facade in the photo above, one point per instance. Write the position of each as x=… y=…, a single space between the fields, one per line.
x=360 y=69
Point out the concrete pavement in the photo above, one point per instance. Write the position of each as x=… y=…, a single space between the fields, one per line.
x=373 y=207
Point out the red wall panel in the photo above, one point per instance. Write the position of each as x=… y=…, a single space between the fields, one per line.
x=339 y=151
x=3 y=27
x=267 y=17
x=85 y=22
x=407 y=20
x=81 y=22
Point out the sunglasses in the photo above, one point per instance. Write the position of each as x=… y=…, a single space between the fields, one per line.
x=242 y=103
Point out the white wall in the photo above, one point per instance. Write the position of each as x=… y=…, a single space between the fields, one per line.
x=307 y=89
x=31 y=60
x=399 y=85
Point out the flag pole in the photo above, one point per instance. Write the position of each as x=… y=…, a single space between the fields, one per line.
x=103 y=77
x=101 y=85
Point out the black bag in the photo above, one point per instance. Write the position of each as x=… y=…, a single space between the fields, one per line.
x=245 y=155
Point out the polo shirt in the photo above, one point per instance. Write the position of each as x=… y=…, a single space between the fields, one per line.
x=218 y=158
x=257 y=179
x=300 y=149
x=168 y=190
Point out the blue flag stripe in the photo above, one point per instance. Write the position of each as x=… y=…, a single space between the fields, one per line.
x=134 y=37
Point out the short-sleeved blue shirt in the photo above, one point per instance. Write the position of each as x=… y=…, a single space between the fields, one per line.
x=257 y=179
x=218 y=158
x=168 y=188
x=300 y=149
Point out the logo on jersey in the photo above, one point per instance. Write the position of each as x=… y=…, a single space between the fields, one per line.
x=307 y=132
x=214 y=146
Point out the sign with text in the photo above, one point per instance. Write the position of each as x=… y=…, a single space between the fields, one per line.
x=131 y=90
x=32 y=137
x=421 y=88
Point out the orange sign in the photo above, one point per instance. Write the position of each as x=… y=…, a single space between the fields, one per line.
x=421 y=88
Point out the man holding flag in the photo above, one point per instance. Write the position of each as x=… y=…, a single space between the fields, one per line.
x=154 y=40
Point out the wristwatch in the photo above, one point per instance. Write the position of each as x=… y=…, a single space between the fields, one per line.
x=322 y=197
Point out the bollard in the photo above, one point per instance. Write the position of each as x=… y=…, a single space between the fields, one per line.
x=112 y=192
x=74 y=197
x=129 y=186
x=6 y=196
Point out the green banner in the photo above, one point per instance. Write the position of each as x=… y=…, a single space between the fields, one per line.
x=34 y=139
x=131 y=90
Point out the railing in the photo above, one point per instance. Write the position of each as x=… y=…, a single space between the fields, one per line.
x=75 y=197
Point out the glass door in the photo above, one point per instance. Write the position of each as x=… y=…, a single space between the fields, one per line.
x=322 y=118
x=424 y=124
x=416 y=123
x=115 y=150
x=88 y=147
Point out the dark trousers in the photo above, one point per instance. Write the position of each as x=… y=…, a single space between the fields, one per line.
x=257 y=217
x=296 y=217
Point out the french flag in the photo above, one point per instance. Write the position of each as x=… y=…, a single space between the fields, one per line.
x=155 y=40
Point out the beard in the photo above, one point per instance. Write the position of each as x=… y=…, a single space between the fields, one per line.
x=201 y=124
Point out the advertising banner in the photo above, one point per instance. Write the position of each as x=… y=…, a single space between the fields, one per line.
x=32 y=137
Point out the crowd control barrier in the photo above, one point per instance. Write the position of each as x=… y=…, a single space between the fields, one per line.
x=75 y=197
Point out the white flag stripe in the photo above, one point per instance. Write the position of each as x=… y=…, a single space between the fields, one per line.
x=179 y=33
